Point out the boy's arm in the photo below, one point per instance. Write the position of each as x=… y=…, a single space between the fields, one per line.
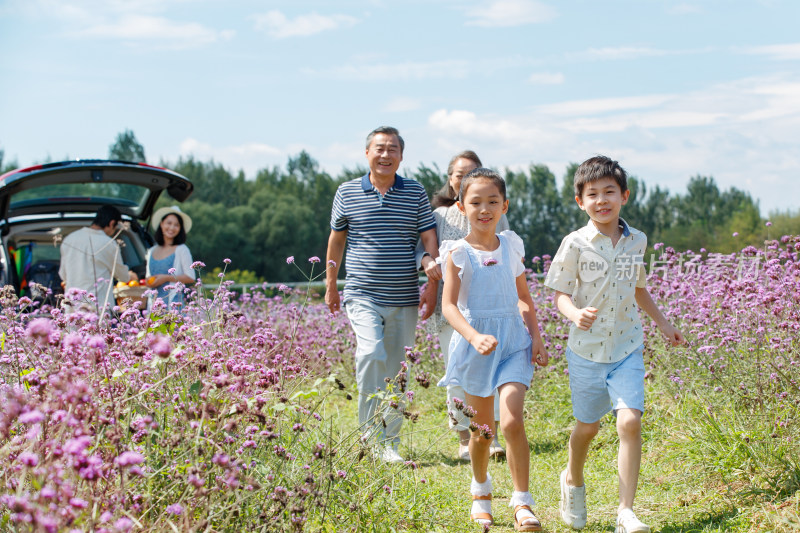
x=485 y=344
x=583 y=318
x=527 y=309
x=646 y=304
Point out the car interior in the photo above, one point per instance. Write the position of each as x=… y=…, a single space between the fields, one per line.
x=33 y=249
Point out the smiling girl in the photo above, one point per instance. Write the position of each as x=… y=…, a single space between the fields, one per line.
x=487 y=301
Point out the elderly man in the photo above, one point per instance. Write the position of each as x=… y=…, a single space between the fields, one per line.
x=379 y=218
x=90 y=258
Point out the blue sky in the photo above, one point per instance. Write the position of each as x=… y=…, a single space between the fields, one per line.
x=670 y=89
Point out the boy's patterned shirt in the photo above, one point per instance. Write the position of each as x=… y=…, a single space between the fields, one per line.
x=598 y=274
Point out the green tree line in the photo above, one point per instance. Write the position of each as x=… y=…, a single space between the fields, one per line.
x=286 y=212
x=258 y=223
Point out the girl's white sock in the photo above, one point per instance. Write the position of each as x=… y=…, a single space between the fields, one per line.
x=481 y=489
x=522 y=498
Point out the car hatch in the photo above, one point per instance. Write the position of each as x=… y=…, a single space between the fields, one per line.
x=82 y=186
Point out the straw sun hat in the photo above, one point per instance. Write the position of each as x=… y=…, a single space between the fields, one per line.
x=159 y=215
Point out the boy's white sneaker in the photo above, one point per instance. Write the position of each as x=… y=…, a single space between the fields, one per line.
x=573 y=504
x=628 y=523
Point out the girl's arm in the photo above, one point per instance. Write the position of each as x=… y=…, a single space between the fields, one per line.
x=646 y=304
x=527 y=309
x=485 y=344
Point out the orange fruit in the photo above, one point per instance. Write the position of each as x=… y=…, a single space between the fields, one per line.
x=133 y=283
x=151 y=280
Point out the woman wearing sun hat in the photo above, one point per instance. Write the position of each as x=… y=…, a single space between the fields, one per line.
x=171 y=226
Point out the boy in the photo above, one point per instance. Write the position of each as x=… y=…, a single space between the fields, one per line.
x=599 y=278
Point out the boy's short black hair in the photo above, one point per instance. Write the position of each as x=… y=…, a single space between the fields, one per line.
x=106 y=215
x=482 y=173
x=599 y=167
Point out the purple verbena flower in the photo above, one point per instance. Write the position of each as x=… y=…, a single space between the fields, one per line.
x=28 y=459
x=124 y=524
x=97 y=342
x=78 y=445
x=175 y=509
x=40 y=329
x=129 y=458
x=31 y=417
x=160 y=345
x=78 y=503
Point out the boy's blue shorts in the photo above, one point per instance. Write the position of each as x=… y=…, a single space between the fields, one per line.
x=597 y=388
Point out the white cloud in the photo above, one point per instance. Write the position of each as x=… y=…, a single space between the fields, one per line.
x=684 y=9
x=191 y=146
x=381 y=71
x=546 y=78
x=468 y=124
x=85 y=10
x=156 y=30
x=777 y=52
x=781 y=99
x=250 y=157
x=741 y=132
x=647 y=121
x=402 y=104
x=130 y=21
x=613 y=53
x=278 y=26
x=506 y=13
x=603 y=105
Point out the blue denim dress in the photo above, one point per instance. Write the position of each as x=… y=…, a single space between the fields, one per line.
x=162 y=266
x=491 y=309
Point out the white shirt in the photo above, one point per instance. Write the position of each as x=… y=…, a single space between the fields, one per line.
x=601 y=275
x=89 y=260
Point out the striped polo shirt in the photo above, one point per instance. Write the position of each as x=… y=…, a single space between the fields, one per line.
x=382 y=234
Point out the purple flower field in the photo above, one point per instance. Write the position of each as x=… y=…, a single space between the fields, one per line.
x=223 y=417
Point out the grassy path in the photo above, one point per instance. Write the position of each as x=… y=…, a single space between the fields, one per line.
x=676 y=491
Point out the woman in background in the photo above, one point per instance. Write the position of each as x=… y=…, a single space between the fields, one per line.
x=171 y=226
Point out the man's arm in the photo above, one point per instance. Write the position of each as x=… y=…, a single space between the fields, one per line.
x=119 y=269
x=431 y=244
x=336 y=243
x=432 y=270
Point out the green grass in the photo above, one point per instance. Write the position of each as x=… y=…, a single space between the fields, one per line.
x=680 y=488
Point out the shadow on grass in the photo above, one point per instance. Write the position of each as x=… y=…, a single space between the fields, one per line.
x=543 y=447
x=442 y=458
x=711 y=521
